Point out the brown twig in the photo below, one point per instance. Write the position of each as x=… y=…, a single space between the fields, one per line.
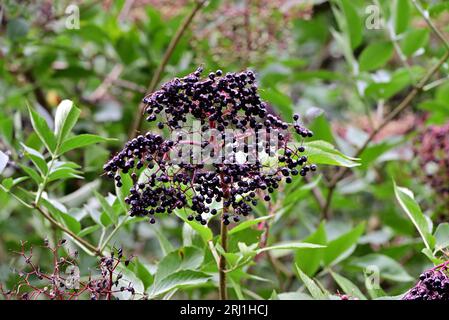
x=160 y=69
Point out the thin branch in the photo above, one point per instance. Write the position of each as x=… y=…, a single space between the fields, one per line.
x=160 y=70
x=109 y=80
x=317 y=194
x=63 y=228
x=425 y=15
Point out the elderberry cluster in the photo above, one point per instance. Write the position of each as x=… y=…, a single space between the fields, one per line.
x=229 y=174
x=431 y=149
x=433 y=285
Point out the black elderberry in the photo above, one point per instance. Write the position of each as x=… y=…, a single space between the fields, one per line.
x=432 y=285
x=220 y=103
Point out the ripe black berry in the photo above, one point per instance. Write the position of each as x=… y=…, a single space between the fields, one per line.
x=217 y=103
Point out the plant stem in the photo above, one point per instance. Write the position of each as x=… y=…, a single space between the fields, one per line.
x=222 y=262
x=112 y=234
x=160 y=69
x=43 y=185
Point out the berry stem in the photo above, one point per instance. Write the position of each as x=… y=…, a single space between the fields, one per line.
x=165 y=59
x=222 y=262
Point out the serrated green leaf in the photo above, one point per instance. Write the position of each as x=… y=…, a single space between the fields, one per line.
x=107 y=208
x=401 y=15
x=414 y=40
x=322 y=152
x=279 y=100
x=88 y=230
x=42 y=130
x=375 y=56
x=338 y=247
x=123 y=191
x=348 y=286
x=290 y=245
x=10 y=182
x=80 y=141
x=32 y=173
x=65 y=119
x=142 y=272
x=64 y=173
x=388 y=268
x=354 y=24
x=408 y=204
x=37 y=158
x=177 y=280
x=203 y=231
x=442 y=236
x=186 y=258
x=309 y=260
x=166 y=246
x=247 y=224
x=71 y=222
x=313 y=288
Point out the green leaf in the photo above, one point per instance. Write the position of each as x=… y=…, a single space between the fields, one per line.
x=348 y=286
x=442 y=236
x=37 y=158
x=398 y=81
x=414 y=40
x=80 y=141
x=63 y=172
x=313 y=288
x=65 y=119
x=88 y=230
x=7 y=129
x=71 y=222
x=142 y=272
x=186 y=258
x=375 y=56
x=3 y=161
x=122 y=192
x=247 y=224
x=279 y=100
x=354 y=24
x=411 y=208
x=203 y=231
x=178 y=280
x=32 y=173
x=388 y=267
x=41 y=128
x=290 y=245
x=107 y=208
x=166 y=246
x=10 y=182
x=309 y=260
x=321 y=129
x=128 y=277
x=401 y=15
x=17 y=29
x=322 y=152
x=337 y=248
